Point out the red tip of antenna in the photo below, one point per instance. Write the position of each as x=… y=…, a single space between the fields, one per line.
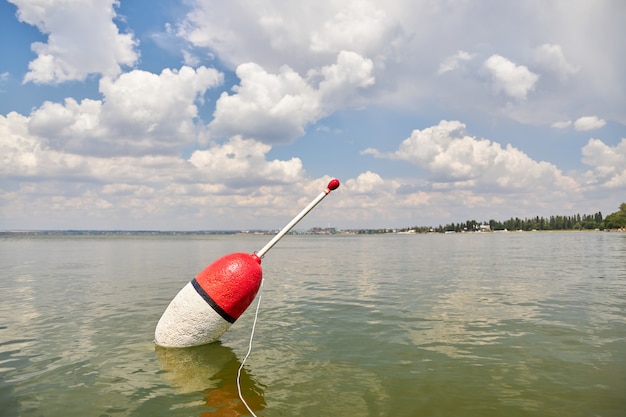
x=333 y=184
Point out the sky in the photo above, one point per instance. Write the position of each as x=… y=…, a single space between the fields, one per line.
x=209 y=114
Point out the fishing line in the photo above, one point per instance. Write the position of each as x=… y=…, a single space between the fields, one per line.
x=256 y=316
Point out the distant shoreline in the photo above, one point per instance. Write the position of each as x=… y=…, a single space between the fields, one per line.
x=265 y=232
x=118 y=232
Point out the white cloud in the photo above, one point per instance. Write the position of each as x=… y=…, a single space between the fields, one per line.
x=17 y=146
x=340 y=81
x=454 y=62
x=582 y=124
x=4 y=78
x=551 y=58
x=453 y=157
x=239 y=160
x=162 y=106
x=301 y=35
x=276 y=108
x=269 y=107
x=515 y=81
x=562 y=124
x=365 y=183
x=190 y=59
x=141 y=113
x=28 y=156
x=608 y=163
x=360 y=26
x=66 y=126
x=82 y=40
x=588 y=123
x=263 y=35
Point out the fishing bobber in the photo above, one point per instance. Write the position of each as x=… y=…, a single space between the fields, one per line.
x=211 y=302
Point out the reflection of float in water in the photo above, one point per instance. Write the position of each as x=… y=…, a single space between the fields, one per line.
x=212 y=370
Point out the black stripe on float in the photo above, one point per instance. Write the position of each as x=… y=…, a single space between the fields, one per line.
x=212 y=302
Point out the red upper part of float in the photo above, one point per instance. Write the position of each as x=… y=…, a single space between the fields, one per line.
x=232 y=281
x=333 y=184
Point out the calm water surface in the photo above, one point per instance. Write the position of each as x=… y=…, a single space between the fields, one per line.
x=509 y=324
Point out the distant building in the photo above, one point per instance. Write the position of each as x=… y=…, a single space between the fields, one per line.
x=322 y=230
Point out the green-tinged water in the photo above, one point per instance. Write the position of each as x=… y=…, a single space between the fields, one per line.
x=501 y=324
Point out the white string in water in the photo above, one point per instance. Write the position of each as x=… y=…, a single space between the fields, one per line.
x=256 y=315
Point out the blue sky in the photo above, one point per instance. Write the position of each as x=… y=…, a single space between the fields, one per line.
x=202 y=114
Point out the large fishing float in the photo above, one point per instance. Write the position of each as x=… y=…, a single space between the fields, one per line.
x=211 y=302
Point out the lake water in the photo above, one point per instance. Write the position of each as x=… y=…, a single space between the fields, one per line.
x=499 y=324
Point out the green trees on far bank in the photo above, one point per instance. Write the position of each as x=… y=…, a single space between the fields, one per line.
x=577 y=222
x=615 y=220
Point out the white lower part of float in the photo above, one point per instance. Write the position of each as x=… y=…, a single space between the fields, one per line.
x=189 y=321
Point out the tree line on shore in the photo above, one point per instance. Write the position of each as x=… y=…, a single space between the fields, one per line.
x=594 y=221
